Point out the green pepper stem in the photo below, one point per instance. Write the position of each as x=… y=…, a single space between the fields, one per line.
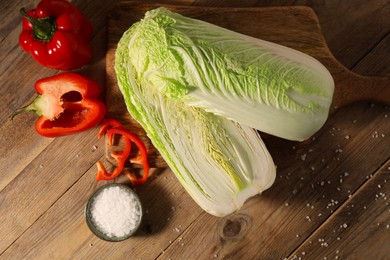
x=30 y=107
x=44 y=28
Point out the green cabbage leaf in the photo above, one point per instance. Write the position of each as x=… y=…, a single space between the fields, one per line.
x=266 y=86
x=219 y=162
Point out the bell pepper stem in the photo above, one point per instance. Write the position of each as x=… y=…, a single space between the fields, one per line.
x=43 y=28
x=32 y=107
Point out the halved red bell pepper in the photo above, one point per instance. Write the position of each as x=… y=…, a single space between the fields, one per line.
x=57 y=35
x=112 y=127
x=67 y=103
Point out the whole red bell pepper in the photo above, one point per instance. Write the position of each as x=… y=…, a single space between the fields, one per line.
x=57 y=35
x=67 y=103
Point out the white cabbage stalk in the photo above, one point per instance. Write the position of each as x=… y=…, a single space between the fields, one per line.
x=219 y=162
x=263 y=85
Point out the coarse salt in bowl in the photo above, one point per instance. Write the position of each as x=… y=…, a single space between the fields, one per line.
x=114 y=212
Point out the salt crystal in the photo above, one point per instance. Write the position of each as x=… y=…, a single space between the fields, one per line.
x=303 y=157
x=116 y=217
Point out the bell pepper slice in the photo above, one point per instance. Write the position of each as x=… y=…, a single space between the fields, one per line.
x=111 y=128
x=67 y=103
x=120 y=157
x=107 y=124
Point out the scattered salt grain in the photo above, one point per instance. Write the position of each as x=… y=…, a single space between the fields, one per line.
x=116 y=217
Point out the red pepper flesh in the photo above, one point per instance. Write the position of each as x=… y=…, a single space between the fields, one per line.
x=57 y=35
x=120 y=158
x=112 y=127
x=107 y=124
x=67 y=103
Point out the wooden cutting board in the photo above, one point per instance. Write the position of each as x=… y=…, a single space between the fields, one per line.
x=294 y=27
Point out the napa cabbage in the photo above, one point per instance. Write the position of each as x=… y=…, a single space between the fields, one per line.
x=200 y=92
x=260 y=84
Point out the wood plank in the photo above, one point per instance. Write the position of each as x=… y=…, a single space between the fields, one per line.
x=359 y=27
x=168 y=211
x=19 y=91
x=314 y=179
x=371 y=64
x=44 y=180
x=53 y=225
x=359 y=229
x=351 y=30
x=15 y=145
x=176 y=227
x=297 y=28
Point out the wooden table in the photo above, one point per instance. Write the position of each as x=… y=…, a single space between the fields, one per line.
x=330 y=199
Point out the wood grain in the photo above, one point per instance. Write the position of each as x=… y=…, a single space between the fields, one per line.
x=296 y=27
x=322 y=183
x=360 y=223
